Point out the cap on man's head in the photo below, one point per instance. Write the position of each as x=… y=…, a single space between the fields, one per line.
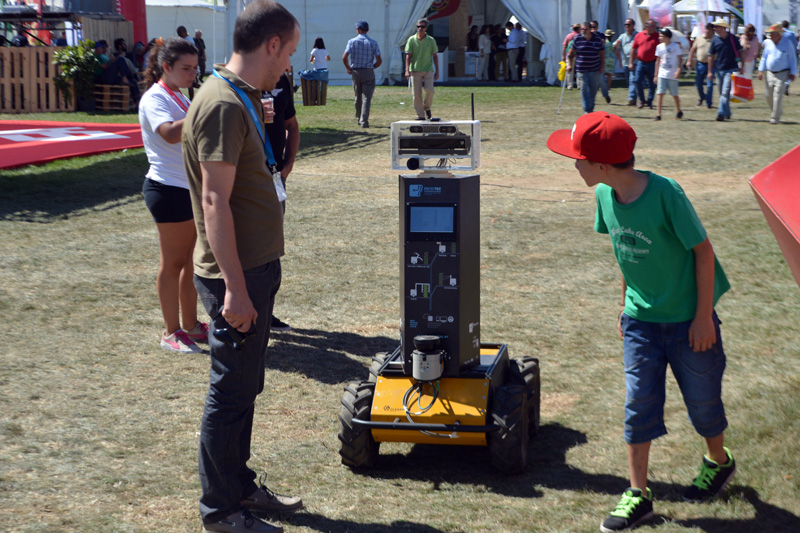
x=666 y=32
x=362 y=25
x=777 y=27
x=599 y=137
x=609 y=32
x=100 y=44
x=721 y=22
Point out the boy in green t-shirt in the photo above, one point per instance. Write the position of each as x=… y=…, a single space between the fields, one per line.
x=671 y=280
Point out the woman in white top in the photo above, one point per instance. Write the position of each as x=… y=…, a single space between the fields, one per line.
x=319 y=55
x=485 y=48
x=162 y=110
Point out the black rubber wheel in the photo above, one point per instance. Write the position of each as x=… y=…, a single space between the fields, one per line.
x=377 y=362
x=525 y=372
x=509 y=445
x=358 y=449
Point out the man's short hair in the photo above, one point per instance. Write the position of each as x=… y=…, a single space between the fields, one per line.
x=785 y=23
x=259 y=22
x=422 y=21
x=709 y=26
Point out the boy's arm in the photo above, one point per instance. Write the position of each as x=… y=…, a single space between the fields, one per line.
x=702 y=334
x=622 y=308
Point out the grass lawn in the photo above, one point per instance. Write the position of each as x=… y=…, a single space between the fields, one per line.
x=99 y=425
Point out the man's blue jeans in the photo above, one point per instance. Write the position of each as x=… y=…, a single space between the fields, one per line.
x=235 y=379
x=630 y=75
x=590 y=82
x=724 y=80
x=701 y=81
x=644 y=78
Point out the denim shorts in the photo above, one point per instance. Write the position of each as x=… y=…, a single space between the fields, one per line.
x=666 y=85
x=648 y=347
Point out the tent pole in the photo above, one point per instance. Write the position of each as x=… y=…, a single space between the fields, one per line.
x=387 y=47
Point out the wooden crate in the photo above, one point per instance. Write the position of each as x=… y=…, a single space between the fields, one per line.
x=113 y=97
x=26 y=81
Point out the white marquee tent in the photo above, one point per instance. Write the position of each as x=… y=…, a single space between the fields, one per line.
x=391 y=23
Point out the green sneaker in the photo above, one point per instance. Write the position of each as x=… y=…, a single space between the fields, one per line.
x=632 y=510
x=712 y=480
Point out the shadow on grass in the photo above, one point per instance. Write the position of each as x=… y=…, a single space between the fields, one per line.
x=61 y=193
x=318 y=142
x=767 y=517
x=321 y=523
x=320 y=355
x=547 y=467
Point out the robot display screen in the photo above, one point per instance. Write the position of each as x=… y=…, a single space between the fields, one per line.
x=431 y=219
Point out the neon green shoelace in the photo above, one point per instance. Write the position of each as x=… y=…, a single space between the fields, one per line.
x=626 y=505
x=707 y=475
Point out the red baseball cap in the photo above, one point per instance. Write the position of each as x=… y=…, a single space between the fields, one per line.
x=599 y=137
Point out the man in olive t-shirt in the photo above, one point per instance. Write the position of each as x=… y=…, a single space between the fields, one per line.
x=237 y=258
x=421 y=59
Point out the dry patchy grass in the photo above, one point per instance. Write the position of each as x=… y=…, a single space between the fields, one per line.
x=99 y=426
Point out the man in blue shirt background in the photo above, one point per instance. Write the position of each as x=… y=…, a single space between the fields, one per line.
x=792 y=38
x=361 y=56
x=589 y=51
x=724 y=59
x=779 y=61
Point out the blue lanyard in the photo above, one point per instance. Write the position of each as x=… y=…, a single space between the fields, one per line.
x=252 y=110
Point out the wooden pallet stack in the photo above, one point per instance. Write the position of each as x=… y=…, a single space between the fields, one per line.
x=113 y=97
x=26 y=81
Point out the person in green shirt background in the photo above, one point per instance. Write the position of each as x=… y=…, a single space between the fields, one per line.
x=421 y=60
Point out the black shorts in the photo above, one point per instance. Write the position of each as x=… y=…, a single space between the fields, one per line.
x=167 y=203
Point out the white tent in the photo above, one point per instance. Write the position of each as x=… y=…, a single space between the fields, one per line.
x=164 y=17
x=693 y=6
x=391 y=23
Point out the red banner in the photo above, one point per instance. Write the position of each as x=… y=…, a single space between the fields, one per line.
x=442 y=8
x=30 y=142
x=135 y=11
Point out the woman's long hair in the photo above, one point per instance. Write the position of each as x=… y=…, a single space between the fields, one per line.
x=165 y=51
x=319 y=44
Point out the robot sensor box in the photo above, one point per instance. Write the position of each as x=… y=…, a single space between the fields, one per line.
x=436 y=145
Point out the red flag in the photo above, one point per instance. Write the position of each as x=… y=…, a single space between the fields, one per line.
x=443 y=8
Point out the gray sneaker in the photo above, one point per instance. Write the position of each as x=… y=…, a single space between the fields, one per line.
x=242 y=521
x=264 y=500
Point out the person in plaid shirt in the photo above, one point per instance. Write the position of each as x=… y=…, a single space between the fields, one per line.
x=361 y=56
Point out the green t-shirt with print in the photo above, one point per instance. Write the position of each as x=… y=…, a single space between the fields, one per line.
x=653 y=238
x=421 y=53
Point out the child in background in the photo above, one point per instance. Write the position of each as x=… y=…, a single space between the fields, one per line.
x=671 y=280
x=668 y=69
x=319 y=55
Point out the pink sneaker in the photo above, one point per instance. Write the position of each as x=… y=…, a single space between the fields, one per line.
x=199 y=333
x=179 y=342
